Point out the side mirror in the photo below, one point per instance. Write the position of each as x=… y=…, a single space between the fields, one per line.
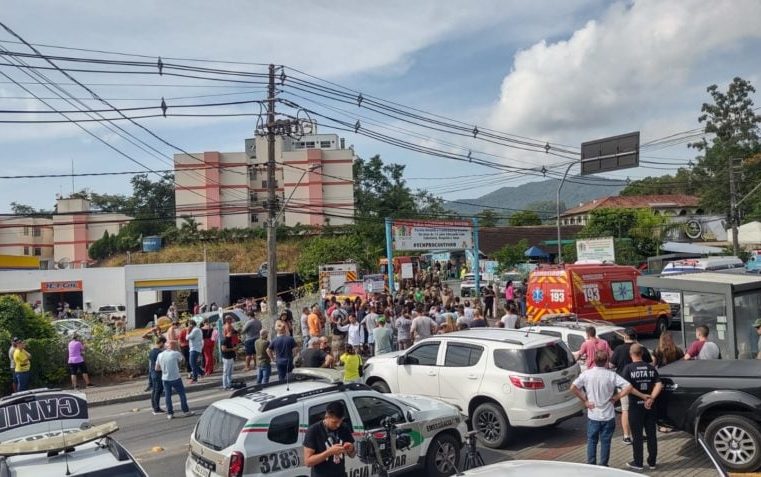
x=401 y=360
x=410 y=417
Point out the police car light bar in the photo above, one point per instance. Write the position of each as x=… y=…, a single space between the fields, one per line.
x=59 y=442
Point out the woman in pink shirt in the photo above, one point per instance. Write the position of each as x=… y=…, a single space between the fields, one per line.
x=509 y=292
x=77 y=361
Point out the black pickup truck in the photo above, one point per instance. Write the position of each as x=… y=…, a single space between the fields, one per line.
x=721 y=400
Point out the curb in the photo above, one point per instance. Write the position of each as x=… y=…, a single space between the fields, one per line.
x=144 y=395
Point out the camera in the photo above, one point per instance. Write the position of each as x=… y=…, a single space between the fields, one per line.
x=379 y=446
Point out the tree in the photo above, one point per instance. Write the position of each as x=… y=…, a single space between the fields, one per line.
x=487 y=218
x=321 y=250
x=637 y=233
x=545 y=208
x=28 y=210
x=510 y=255
x=683 y=182
x=525 y=217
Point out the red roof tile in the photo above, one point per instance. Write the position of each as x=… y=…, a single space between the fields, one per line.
x=635 y=202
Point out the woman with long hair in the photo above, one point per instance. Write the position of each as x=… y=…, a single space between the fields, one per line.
x=666 y=352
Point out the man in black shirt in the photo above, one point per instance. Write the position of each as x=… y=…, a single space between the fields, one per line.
x=328 y=442
x=644 y=378
x=620 y=359
x=314 y=357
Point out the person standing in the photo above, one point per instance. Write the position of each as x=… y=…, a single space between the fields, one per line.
x=228 y=362
x=77 y=361
x=352 y=363
x=168 y=362
x=620 y=359
x=590 y=347
x=383 y=337
x=314 y=324
x=371 y=322
x=404 y=326
x=642 y=414
x=173 y=333
x=182 y=339
x=250 y=333
x=478 y=320
x=23 y=364
x=314 y=357
x=701 y=348
x=422 y=327
x=510 y=320
x=328 y=442
x=157 y=387
x=11 y=350
x=282 y=350
x=509 y=293
x=353 y=331
x=304 y=326
x=263 y=362
x=195 y=345
x=596 y=388
x=207 y=331
x=489 y=302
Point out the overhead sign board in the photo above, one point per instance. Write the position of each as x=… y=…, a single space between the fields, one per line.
x=431 y=235
x=610 y=154
x=374 y=283
x=61 y=287
x=598 y=249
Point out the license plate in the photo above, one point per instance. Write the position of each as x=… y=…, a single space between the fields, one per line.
x=564 y=386
x=201 y=471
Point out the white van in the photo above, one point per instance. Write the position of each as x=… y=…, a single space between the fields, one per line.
x=710 y=264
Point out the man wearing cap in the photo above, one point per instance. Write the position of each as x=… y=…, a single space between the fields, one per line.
x=13 y=363
x=757 y=326
x=383 y=337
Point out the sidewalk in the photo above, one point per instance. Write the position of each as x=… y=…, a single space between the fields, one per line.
x=135 y=390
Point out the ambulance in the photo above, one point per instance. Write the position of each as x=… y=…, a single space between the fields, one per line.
x=596 y=291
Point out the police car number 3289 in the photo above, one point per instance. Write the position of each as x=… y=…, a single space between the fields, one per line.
x=260 y=430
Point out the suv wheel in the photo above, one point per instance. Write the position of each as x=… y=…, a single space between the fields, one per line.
x=381 y=386
x=661 y=326
x=492 y=425
x=443 y=458
x=737 y=442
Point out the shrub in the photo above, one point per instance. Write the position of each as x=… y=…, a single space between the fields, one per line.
x=20 y=320
x=106 y=353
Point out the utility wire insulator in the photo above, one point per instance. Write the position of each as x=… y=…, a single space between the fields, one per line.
x=160 y=65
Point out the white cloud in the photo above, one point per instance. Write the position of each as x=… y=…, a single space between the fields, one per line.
x=643 y=58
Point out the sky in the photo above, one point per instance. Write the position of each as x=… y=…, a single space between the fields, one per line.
x=555 y=72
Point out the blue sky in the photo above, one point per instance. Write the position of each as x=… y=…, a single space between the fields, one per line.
x=563 y=72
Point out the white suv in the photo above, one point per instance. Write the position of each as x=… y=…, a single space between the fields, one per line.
x=259 y=430
x=500 y=378
x=575 y=333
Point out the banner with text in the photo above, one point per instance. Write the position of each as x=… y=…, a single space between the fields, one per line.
x=431 y=235
x=599 y=249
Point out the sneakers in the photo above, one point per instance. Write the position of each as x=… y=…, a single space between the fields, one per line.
x=627 y=440
x=188 y=414
x=170 y=416
x=159 y=412
x=634 y=466
x=651 y=466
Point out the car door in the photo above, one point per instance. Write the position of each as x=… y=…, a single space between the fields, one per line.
x=462 y=373
x=418 y=370
x=372 y=409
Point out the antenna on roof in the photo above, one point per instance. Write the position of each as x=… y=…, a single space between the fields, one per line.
x=65 y=450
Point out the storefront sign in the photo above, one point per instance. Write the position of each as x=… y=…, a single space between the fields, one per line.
x=599 y=249
x=432 y=235
x=61 y=287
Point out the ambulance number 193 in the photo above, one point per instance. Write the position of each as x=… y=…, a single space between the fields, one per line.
x=591 y=293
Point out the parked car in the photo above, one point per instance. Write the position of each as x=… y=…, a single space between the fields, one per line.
x=263 y=426
x=109 y=313
x=350 y=290
x=69 y=326
x=502 y=379
x=544 y=468
x=468 y=285
x=237 y=315
x=574 y=333
x=720 y=399
x=36 y=446
x=597 y=291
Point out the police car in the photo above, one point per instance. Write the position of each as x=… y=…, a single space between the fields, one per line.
x=260 y=429
x=46 y=432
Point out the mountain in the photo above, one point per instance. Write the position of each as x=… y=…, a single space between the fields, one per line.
x=538 y=196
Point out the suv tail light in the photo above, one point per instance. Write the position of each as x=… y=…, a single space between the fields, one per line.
x=525 y=382
x=236 y=465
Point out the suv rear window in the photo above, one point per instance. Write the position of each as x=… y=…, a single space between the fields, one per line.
x=218 y=429
x=545 y=359
x=613 y=339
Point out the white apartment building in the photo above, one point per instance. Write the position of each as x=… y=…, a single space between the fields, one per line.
x=30 y=236
x=314 y=179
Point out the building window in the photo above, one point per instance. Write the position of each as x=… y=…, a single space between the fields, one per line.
x=309 y=144
x=254 y=197
x=37 y=251
x=325 y=144
x=255 y=218
x=264 y=183
x=26 y=230
x=36 y=232
x=298 y=145
x=26 y=250
x=252 y=172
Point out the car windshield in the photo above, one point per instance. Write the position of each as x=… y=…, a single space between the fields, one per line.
x=552 y=357
x=107 y=308
x=218 y=429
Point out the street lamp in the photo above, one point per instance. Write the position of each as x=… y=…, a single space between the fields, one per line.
x=557 y=209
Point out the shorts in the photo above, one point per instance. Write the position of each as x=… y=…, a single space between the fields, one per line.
x=77 y=368
x=250 y=347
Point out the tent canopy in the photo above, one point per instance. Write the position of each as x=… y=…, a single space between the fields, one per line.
x=678 y=247
x=536 y=252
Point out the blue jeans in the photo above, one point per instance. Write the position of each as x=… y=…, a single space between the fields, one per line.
x=156 y=389
x=263 y=374
x=176 y=385
x=601 y=431
x=227 y=372
x=22 y=381
x=195 y=368
x=283 y=368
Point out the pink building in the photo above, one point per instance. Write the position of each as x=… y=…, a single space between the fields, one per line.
x=314 y=176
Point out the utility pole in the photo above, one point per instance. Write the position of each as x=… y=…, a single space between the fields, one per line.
x=733 y=206
x=271 y=202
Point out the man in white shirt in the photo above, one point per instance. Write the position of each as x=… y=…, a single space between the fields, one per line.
x=195 y=341
x=371 y=322
x=168 y=362
x=511 y=318
x=422 y=327
x=305 y=327
x=468 y=313
x=599 y=386
x=353 y=331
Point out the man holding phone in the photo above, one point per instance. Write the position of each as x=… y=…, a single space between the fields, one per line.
x=328 y=442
